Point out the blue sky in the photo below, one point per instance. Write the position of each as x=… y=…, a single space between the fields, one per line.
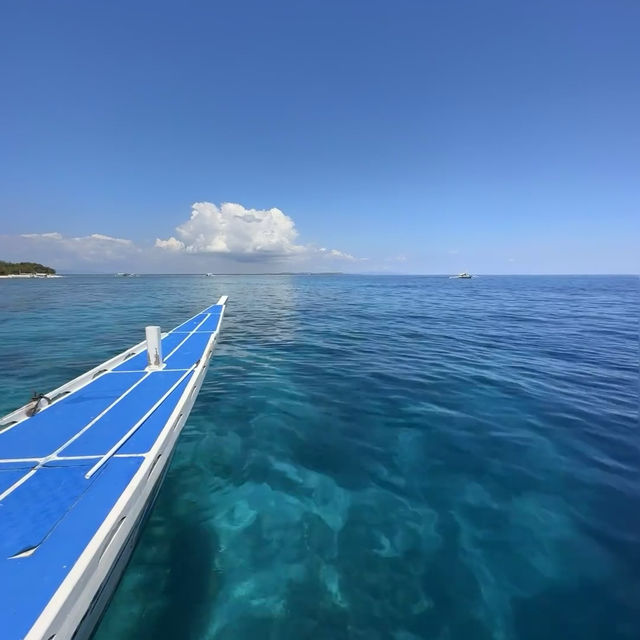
x=418 y=137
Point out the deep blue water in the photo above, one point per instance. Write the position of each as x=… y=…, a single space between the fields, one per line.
x=374 y=457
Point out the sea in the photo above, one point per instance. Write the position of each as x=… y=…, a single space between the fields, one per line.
x=373 y=458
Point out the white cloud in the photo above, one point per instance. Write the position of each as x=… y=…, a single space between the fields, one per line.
x=100 y=236
x=334 y=253
x=94 y=248
x=50 y=236
x=243 y=234
x=235 y=231
x=79 y=241
x=212 y=239
x=171 y=244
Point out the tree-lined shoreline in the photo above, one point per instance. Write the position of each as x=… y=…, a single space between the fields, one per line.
x=20 y=268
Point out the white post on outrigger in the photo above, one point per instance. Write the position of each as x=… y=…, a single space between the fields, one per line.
x=154 y=348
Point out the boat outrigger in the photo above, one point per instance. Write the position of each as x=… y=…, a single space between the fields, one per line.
x=80 y=468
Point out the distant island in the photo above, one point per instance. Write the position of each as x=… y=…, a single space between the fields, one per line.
x=25 y=269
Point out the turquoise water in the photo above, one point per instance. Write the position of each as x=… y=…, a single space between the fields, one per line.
x=374 y=457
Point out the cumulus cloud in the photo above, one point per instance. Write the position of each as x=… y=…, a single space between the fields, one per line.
x=228 y=237
x=238 y=232
x=171 y=244
x=243 y=234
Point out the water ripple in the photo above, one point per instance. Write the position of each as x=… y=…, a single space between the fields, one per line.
x=374 y=458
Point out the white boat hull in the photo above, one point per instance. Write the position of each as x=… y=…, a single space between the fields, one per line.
x=77 y=604
x=94 y=587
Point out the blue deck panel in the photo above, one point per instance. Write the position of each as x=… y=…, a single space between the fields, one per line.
x=56 y=510
x=190 y=324
x=144 y=438
x=42 y=434
x=41 y=501
x=190 y=352
x=10 y=475
x=214 y=308
x=109 y=429
x=209 y=324
x=27 y=584
x=16 y=464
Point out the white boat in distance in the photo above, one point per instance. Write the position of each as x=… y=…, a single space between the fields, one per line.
x=80 y=468
x=464 y=276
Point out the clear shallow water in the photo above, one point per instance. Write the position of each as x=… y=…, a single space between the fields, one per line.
x=393 y=457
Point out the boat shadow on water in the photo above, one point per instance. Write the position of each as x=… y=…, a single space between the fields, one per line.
x=170 y=587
